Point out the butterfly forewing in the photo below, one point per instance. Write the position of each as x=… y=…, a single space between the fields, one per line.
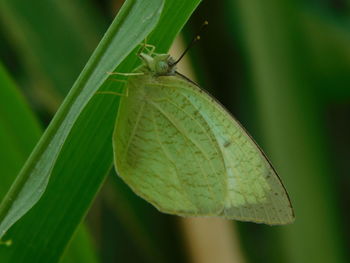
x=254 y=191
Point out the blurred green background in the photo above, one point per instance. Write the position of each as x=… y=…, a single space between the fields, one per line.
x=282 y=67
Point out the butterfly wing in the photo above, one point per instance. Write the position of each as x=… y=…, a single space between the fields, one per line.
x=165 y=151
x=183 y=152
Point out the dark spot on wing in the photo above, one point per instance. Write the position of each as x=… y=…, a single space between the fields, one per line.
x=227 y=144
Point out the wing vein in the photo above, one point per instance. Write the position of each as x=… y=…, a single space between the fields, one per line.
x=219 y=153
x=188 y=140
x=133 y=131
x=168 y=155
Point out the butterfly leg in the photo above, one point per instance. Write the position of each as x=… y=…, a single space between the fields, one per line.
x=113 y=93
x=126 y=94
x=126 y=74
x=148 y=47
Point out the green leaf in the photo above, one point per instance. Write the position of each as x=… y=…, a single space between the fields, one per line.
x=80 y=249
x=75 y=151
x=112 y=50
x=16 y=117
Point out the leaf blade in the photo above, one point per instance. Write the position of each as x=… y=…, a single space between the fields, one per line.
x=35 y=174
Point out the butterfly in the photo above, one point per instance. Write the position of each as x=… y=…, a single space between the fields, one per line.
x=179 y=149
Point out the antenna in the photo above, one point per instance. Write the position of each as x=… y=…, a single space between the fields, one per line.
x=194 y=40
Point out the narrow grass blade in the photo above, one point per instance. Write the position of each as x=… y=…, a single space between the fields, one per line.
x=16 y=145
x=81 y=248
x=113 y=49
x=15 y=118
x=75 y=151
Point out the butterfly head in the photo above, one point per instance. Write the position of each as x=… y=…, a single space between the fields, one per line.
x=159 y=64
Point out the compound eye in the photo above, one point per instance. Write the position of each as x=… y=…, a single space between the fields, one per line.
x=162 y=67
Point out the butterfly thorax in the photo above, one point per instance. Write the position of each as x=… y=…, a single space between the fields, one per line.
x=158 y=65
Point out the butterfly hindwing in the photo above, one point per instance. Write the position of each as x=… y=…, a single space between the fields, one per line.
x=166 y=152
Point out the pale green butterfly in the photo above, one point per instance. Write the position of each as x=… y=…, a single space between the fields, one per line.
x=183 y=152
